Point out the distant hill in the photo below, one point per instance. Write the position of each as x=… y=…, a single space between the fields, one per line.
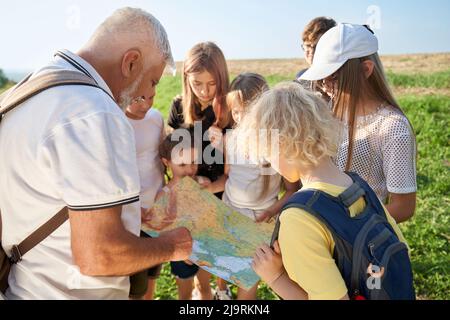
x=405 y=64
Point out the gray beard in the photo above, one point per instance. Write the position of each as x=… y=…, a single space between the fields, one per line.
x=126 y=96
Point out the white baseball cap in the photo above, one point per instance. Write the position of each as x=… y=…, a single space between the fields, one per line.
x=337 y=46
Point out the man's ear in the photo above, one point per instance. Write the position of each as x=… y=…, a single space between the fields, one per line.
x=368 y=67
x=131 y=63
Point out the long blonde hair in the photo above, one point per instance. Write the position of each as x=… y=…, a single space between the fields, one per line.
x=352 y=85
x=206 y=56
x=306 y=128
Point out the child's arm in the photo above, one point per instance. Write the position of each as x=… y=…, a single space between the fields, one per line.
x=219 y=185
x=401 y=206
x=268 y=265
x=291 y=188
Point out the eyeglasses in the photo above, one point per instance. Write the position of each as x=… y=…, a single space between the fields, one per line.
x=139 y=100
x=331 y=79
x=306 y=47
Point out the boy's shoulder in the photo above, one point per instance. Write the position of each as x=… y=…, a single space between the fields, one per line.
x=155 y=117
x=305 y=227
x=154 y=114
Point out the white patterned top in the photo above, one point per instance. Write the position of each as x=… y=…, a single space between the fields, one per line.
x=384 y=152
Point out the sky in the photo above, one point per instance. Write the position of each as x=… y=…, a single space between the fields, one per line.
x=244 y=29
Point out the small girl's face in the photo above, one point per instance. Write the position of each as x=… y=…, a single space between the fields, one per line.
x=204 y=86
x=237 y=112
x=183 y=164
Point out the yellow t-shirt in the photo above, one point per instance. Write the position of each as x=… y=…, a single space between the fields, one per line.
x=307 y=246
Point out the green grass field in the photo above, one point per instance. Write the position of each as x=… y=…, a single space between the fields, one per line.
x=428 y=233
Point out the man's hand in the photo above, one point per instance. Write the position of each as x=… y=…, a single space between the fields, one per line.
x=182 y=243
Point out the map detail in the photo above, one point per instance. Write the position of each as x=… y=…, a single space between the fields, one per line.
x=224 y=240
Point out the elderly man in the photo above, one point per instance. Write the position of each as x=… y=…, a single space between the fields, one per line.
x=72 y=146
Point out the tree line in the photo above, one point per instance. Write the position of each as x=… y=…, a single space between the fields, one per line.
x=3 y=79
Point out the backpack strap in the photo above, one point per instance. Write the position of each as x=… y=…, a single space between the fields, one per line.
x=352 y=194
x=26 y=89
x=30 y=87
x=37 y=236
x=299 y=200
x=367 y=192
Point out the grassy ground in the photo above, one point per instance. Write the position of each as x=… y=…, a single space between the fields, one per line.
x=425 y=97
x=428 y=233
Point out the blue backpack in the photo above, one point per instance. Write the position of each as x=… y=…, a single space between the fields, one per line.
x=373 y=262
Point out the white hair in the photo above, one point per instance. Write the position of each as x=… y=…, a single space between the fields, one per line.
x=131 y=27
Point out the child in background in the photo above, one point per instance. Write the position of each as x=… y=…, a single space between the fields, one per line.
x=250 y=188
x=180 y=165
x=302 y=264
x=379 y=141
x=314 y=30
x=148 y=128
x=311 y=36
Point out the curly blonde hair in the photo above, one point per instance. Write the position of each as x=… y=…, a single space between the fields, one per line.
x=306 y=129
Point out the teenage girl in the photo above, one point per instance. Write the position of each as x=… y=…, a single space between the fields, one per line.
x=205 y=83
x=379 y=143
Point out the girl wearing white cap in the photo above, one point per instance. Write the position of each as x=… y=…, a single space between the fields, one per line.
x=379 y=143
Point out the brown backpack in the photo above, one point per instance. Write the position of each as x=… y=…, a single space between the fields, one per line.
x=12 y=98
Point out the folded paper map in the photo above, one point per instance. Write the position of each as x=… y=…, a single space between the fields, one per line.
x=224 y=240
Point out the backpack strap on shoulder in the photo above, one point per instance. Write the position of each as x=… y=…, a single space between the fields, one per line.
x=301 y=200
x=370 y=195
x=352 y=194
x=14 y=97
x=29 y=88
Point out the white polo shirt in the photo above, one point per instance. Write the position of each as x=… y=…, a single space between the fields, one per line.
x=71 y=146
